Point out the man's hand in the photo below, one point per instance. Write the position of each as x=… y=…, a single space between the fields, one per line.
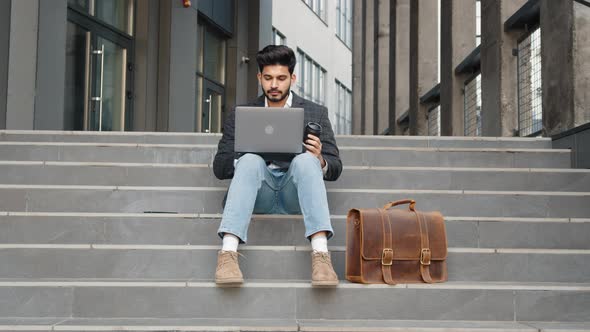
x=314 y=146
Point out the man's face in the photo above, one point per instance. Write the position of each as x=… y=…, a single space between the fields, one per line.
x=276 y=82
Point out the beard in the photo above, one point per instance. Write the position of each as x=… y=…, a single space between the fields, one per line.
x=281 y=97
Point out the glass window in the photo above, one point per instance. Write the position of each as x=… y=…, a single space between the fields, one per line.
x=200 y=41
x=318 y=7
x=307 y=84
x=210 y=85
x=214 y=56
x=77 y=43
x=311 y=79
x=299 y=68
x=278 y=38
x=344 y=21
x=117 y=13
x=344 y=110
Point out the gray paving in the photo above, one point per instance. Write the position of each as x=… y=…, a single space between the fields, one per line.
x=358 y=156
x=268 y=231
x=202 y=176
x=296 y=303
x=273 y=264
x=195 y=138
x=534 y=281
x=209 y=200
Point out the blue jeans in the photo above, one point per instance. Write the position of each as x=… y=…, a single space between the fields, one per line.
x=257 y=189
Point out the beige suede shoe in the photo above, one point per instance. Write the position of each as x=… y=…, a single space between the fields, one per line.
x=322 y=272
x=228 y=271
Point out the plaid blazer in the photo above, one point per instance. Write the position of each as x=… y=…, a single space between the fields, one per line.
x=223 y=164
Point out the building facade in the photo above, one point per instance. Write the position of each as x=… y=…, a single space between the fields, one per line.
x=112 y=65
x=321 y=36
x=507 y=68
x=161 y=65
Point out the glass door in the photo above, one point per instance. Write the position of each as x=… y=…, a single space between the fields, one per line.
x=212 y=111
x=107 y=109
x=99 y=47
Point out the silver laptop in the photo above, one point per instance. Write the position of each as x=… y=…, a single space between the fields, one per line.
x=269 y=130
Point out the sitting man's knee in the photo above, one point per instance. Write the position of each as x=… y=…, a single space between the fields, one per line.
x=250 y=160
x=305 y=162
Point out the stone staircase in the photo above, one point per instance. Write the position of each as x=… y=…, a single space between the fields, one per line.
x=117 y=232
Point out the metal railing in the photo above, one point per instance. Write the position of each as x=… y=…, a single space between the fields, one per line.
x=434 y=121
x=472 y=106
x=530 y=101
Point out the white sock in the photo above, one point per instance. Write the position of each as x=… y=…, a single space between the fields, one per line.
x=319 y=243
x=230 y=242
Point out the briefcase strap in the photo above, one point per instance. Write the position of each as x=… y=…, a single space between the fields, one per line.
x=425 y=252
x=387 y=254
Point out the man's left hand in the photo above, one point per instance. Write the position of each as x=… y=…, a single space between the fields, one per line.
x=314 y=146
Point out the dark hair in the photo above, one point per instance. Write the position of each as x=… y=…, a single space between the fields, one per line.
x=276 y=55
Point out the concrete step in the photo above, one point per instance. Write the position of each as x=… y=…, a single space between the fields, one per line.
x=171 y=299
x=274 y=230
x=201 y=138
x=153 y=262
x=41 y=198
x=201 y=175
x=351 y=156
x=282 y=325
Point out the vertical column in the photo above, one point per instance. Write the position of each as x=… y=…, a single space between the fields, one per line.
x=357 y=66
x=369 y=64
x=457 y=41
x=423 y=60
x=183 y=64
x=254 y=38
x=499 y=115
x=51 y=67
x=4 y=51
x=383 y=66
x=163 y=66
x=146 y=64
x=237 y=70
x=22 y=68
x=401 y=73
x=565 y=50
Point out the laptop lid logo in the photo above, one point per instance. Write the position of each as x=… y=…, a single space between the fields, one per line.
x=269 y=130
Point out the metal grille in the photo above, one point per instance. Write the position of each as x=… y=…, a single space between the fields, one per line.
x=530 y=112
x=434 y=121
x=472 y=106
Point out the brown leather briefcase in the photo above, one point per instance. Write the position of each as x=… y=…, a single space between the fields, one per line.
x=395 y=245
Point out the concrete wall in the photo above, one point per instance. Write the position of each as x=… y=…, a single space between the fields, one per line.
x=382 y=76
x=318 y=40
x=458 y=40
x=51 y=67
x=498 y=68
x=581 y=47
x=4 y=58
x=423 y=60
x=402 y=61
x=146 y=65
x=22 y=68
x=183 y=64
x=241 y=74
x=369 y=67
x=357 y=67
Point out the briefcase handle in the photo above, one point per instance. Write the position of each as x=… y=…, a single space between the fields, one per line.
x=403 y=201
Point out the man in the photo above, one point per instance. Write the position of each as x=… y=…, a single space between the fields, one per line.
x=278 y=187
